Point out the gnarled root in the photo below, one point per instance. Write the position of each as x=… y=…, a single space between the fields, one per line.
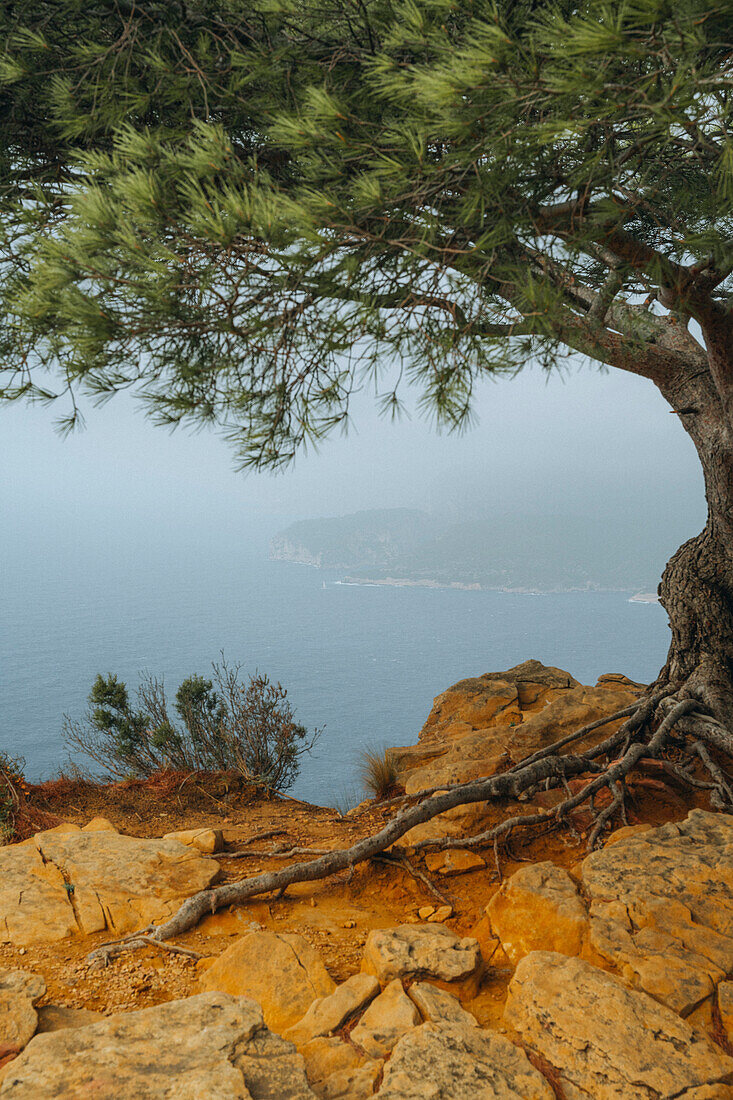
x=650 y=725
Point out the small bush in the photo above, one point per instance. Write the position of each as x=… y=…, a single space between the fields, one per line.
x=217 y=724
x=379 y=773
x=12 y=793
x=19 y=818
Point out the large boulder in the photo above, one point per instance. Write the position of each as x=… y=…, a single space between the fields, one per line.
x=211 y=1046
x=606 y=1041
x=68 y=881
x=656 y=906
x=454 y=1062
x=427 y=951
x=282 y=972
x=539 y=909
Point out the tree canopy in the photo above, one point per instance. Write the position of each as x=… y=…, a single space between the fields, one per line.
x=244 y=210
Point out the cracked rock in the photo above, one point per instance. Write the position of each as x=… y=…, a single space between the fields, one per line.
x=282 y=972
x=427 y=951
x=609 y=1042
x=454 y=1062
x=211 y=1046
x=68 y=881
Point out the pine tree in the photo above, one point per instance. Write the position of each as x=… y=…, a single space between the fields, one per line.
x=241 y=210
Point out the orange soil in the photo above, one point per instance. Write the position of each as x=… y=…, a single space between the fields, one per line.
x=335 y=915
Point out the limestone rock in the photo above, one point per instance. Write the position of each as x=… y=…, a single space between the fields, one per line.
x=23 y=983
x=325 y=1056
x=329 y=1013
x=20 y=990
x=355 y=1084
x=454 y=861
x=58 y=1017
x=207 y=841
x=479 y=725
x=725 y=1008
x=427 y=951
x=661 y=907
x=607 y=1041
x=18 y=1022
x=210 y=1046
x=538 y=909
x=437 y=1006
x=385 y=1021
x=282 y=972
x=99 y=825
x=67 y=881
x=443 y=912
x=453 y=1062
x=337 y=1071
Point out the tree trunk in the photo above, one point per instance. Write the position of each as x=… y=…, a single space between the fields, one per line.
x=697 y=585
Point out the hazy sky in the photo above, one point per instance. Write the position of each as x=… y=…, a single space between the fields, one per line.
x=585 y=441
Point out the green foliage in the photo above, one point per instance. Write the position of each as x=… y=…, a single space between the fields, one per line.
x=244 y=211
x=222 y=725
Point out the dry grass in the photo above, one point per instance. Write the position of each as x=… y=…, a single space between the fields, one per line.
x=379 y=773
x=18 y=818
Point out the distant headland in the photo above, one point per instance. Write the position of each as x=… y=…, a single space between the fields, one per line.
x=519 y=553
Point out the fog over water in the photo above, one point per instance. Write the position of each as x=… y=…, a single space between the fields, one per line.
x=125 y=547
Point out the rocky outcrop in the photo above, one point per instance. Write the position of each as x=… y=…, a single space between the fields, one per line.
x=282 y=972
x=479 y=726
x=69 y=881
x=211 y=1046
x=656 y=906
x=454 y=1062
x=606 y=1041
x=427 y=951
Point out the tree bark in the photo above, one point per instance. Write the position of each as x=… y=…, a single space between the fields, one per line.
x=696 y=589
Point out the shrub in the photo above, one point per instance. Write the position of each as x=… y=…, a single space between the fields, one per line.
x=12 y=791
x=19 y=818
x=217 y=724
x=379 y=773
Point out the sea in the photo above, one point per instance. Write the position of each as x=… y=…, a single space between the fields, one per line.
x=362 y=661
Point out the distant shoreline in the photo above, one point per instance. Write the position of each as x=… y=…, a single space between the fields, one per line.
x=407 y=582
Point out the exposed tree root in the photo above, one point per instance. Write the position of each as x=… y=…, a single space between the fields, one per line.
x=660 y=717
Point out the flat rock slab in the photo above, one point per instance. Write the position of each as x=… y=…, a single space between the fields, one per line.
x=454 y=1062
x=656 y=905
x=211 y=1046
x=68 y=881
x=427 y=951
x=385 y=1021
x=661 y=907
x=328 y=1013
x=282 y=972
x=607 y=1041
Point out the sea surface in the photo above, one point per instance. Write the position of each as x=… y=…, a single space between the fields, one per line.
x=363 y=661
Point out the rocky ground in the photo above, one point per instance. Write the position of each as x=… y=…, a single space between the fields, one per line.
x=557 y=973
